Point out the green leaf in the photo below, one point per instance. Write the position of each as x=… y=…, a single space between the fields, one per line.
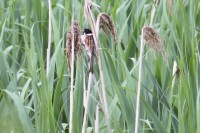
x=25 y=120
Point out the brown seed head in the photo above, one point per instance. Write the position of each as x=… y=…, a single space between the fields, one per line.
x=107 y=25
x=77 y=41
x=152 y=38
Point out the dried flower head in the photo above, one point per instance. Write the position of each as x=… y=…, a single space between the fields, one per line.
x=153 y=39
x=73 y=36
x=105 y=22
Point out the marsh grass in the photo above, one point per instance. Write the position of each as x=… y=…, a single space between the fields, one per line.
x=33 y=101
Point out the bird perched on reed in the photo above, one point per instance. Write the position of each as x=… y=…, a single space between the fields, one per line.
x=89 y=44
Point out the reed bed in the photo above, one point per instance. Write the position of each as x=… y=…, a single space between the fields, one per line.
x=46 y=80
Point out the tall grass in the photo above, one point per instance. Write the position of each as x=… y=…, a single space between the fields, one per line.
x=32 y=100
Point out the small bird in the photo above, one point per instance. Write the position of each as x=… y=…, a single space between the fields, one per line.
x=89 y=44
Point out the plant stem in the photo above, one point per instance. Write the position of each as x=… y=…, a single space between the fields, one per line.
x=139 y=85
x=71 y=84
x=153 y=11
x=97 y=120
x=87 y=103
x=49 y=38
x=93 y=27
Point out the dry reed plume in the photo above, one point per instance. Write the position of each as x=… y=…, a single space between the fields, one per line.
x=105 y=22
x=77 y=41
x=153 y=39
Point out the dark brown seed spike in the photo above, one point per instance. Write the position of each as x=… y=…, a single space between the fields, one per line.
x=77 y=42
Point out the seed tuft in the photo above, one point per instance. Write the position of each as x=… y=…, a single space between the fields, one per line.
x=77 y=41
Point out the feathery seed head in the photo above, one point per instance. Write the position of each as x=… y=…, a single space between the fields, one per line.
x=152 y=38
x=76 y=39
x=106 y=23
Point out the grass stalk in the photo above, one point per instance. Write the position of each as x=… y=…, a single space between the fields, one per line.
x=97 y=120
x=71 y=83
x=153 y=11
x=174 y=74
x=93 y=27
x=87 y=104
x=49 y=38
x=139 y=85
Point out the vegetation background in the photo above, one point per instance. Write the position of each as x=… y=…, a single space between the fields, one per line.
x=33 y=101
